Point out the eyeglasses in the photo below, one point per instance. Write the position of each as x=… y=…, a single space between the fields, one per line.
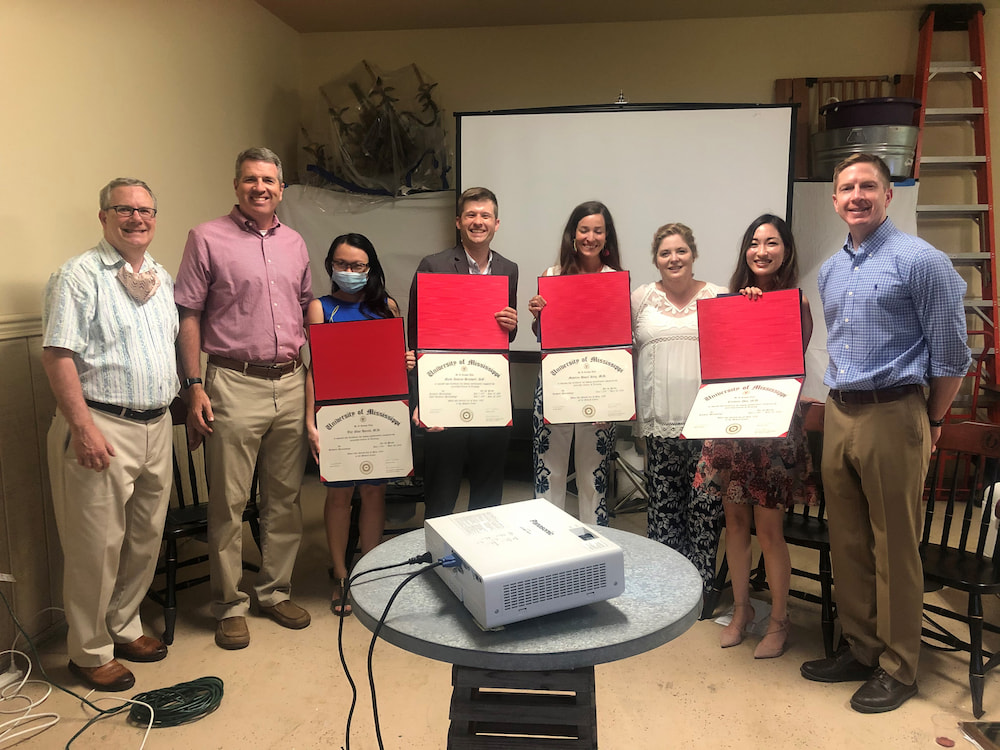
x=339 y=265
x=126 y=211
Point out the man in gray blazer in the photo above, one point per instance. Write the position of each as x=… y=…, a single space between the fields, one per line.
x=482 y=449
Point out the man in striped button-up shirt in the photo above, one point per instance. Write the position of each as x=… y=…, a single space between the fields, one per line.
x=109 y=329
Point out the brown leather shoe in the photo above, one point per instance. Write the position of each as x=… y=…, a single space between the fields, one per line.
x=288 y=614
x=232 y=633
x=141 y=649
x=111 y=677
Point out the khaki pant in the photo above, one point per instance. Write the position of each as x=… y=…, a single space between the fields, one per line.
x=254 y=418
x=110 y=525
x=875 y=459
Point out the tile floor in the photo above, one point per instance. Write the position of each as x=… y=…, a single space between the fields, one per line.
x=287 y=689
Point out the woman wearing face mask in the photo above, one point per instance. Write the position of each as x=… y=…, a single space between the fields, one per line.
x=357 y=293
x=589 y=245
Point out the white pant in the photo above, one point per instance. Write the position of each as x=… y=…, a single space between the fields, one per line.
x=551 y=448
x=110 y=525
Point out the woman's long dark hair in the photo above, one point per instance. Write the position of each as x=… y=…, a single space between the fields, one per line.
x=787 y=276
x=375 y=299
x=567 y=253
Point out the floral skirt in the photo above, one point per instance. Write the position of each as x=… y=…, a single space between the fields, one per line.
x=769 y=472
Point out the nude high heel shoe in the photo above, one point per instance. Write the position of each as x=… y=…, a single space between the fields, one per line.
x=775 y=640
x=732 y=634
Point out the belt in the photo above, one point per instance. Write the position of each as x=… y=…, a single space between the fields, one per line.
x=256 y=369
x=121 y=411
x=880 y=396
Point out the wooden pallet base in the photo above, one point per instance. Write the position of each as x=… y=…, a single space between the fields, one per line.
x=497 y=710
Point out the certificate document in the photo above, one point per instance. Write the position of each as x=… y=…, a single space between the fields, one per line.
x=364 y=441
x=464 y=389
x=458 y=311
x=378 y=362
x=743 y=409
x=605 y=321
x=593 y=385
x=741 y=339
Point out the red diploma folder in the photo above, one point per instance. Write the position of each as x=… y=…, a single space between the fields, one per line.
x=456 y=312
x=743 y=339
x=355 y=360
x=585 y=311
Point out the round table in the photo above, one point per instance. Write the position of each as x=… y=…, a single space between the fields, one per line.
x=662 y=599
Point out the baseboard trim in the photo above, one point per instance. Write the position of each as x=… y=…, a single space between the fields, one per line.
x=20 y=326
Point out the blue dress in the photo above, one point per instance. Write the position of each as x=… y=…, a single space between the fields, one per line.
x=338 y=311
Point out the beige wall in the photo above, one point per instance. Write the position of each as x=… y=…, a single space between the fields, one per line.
x=168 y=92
x=717 y=60
x=204 y=78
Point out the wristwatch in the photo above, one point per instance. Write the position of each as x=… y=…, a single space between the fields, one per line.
x=936 y=422
x=188 y=382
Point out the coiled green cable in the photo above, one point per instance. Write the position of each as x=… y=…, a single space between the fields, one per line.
x=180 y=704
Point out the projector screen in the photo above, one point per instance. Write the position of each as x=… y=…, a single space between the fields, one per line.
x=712 y=167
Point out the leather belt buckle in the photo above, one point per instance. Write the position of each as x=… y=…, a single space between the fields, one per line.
x=267 y=372
x=254 y=369
x=124 y=412
x=838 y=397
x=877 y=396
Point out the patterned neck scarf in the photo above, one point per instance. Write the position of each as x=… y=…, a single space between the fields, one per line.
x=140 y=286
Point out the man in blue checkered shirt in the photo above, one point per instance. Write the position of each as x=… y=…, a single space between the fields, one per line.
x=897 y=343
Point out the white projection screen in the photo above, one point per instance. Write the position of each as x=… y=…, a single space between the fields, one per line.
x=712 y=167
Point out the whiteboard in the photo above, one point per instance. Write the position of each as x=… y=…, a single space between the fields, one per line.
x=712 y=167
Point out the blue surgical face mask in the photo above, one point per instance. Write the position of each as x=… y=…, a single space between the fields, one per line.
x=349 y=281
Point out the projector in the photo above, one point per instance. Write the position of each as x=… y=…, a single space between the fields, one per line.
x=523 y=560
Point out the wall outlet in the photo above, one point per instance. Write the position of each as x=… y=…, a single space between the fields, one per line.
x=12 y=676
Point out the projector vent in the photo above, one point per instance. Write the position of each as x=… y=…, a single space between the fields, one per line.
x=554 y=586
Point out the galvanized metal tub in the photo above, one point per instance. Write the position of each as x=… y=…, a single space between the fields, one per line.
x=895 y=144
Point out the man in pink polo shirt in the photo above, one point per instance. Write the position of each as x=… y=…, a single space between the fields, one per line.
x=242 y=290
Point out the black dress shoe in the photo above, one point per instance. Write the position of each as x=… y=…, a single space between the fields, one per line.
x=841 y=667
x=881 y=693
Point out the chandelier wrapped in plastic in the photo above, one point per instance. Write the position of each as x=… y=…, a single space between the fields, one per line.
x=380 y=134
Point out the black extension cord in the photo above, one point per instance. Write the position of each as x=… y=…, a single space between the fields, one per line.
x=180 y=704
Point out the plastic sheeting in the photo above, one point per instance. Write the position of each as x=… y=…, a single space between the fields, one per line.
x=377 y=133
x=403 y=230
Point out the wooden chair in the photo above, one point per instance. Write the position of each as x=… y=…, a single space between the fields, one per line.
x=188 y=518
x=955 y=548
x=805 y=526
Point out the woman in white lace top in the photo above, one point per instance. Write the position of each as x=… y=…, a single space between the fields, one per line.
x=589 y=245
x=665 y=328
